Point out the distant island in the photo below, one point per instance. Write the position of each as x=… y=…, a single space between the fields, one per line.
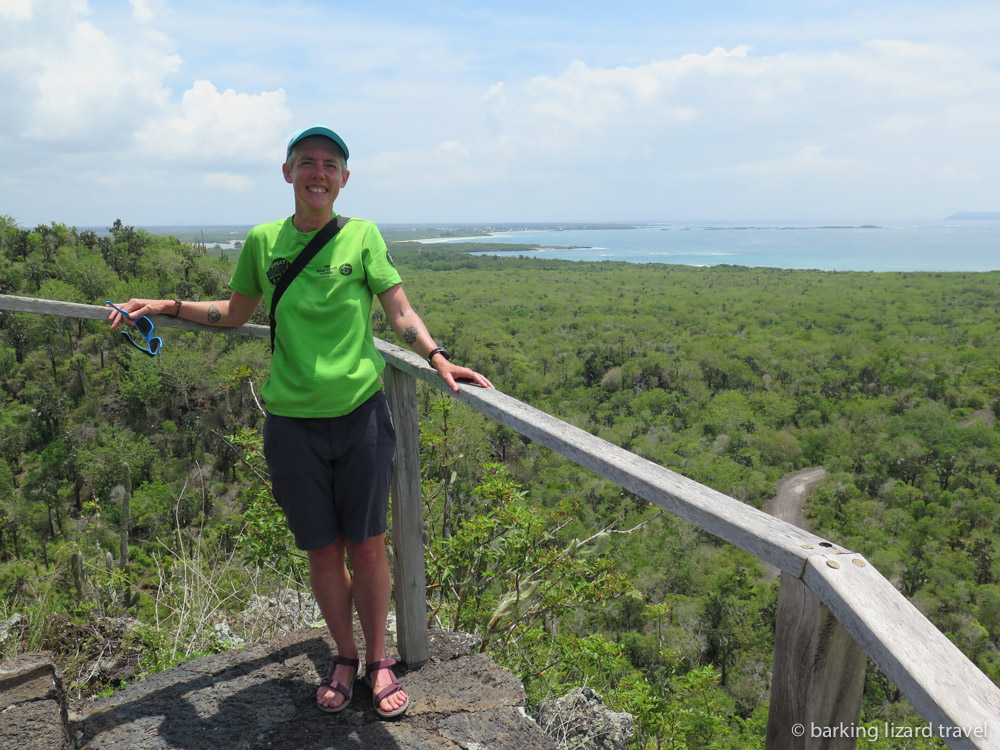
x=975 y=216
x=207 y=235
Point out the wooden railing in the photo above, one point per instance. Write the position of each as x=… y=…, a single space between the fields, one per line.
x=833 y=606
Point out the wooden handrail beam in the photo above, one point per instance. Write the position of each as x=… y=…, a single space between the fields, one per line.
x=772 y=540
x=100 y=312
x=944 y=687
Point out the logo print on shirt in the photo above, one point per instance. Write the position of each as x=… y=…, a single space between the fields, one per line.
x=346 y=269
x=277 y=270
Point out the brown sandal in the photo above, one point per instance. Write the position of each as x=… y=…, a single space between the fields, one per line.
x=347 y=692
x=394 y=688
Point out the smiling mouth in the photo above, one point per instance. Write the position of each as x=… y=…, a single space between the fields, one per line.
x=314 y=189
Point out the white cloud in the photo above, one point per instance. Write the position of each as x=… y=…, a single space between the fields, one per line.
x=818 y=131
x=734 y=108
x=584 y=98
x=219 y=127
x=96 y=86
x=15 y=10
x=145 y=11
x=809 y=159
x=76 y=84
x=99 y=84
x=494 y=92
x=612 y=114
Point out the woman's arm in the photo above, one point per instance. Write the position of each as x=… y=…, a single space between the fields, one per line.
x=233 y=312
x=409 y=327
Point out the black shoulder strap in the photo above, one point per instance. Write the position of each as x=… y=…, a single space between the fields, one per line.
x=316 y=244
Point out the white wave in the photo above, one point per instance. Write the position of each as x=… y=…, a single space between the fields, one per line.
x=708 y=253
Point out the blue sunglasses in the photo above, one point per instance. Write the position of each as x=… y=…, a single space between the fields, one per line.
x=150 y=344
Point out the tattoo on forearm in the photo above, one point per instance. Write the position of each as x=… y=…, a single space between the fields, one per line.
x=214 y=315
x=410 y=335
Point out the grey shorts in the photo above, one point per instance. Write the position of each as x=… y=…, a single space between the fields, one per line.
x=331 y=475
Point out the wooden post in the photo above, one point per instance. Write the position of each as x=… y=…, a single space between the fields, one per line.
x=407 y=521
x=818 y=676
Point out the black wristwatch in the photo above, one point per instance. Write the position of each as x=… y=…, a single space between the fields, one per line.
x=440 y=350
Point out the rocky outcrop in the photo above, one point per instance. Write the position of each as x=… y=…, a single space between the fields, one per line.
x=580 y=721
x=33 y=705
x=264 y=697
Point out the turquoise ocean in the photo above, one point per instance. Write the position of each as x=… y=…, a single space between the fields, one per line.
x=948 y=245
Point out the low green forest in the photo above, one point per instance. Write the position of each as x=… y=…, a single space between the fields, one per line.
x=132 y=486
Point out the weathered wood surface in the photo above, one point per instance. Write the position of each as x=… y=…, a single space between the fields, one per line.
x=818 y=676
x=935 y=676
x=410 y=583
x=100 y=312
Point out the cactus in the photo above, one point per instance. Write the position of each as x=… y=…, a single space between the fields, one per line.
x=76 y=565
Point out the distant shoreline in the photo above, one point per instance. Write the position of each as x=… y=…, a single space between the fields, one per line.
x=470 y=231
x=975 y=216
x=893 y=246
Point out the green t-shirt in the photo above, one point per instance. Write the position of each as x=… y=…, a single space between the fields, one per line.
x=325 y=363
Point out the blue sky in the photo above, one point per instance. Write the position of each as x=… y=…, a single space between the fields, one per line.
x=164 y=112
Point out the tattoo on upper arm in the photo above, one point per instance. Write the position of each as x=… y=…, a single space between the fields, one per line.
x=214 y=315
x=410 y=335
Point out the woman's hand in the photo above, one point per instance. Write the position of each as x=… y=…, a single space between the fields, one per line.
x=454 y=375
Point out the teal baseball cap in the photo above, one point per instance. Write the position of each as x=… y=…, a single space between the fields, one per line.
x=317 y=130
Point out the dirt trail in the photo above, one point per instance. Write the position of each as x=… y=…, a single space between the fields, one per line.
x=787 y=504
